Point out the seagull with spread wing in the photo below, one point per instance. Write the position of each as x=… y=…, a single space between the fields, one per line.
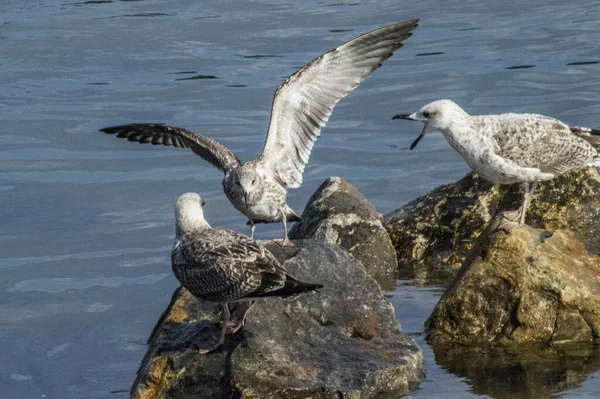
x=223 y=266
x=301 y=107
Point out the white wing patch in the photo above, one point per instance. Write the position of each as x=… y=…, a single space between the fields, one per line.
x=303 y=103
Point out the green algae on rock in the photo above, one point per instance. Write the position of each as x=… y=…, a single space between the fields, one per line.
x=437 y=230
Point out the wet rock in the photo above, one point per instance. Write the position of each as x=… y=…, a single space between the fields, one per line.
x=340 y=342
x=433 y=234
x=524 y=286
x=337 y=213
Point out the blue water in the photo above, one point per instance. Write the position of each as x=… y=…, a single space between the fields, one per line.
x=86 y=219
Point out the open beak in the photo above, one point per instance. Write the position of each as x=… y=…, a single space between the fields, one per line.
x=414 y=143
x=246 y=197
x=408 y=117
x=412 y=117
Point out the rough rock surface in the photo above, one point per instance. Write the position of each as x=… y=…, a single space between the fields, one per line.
x=438 y=230
x=337 y=213
x=340 y=342
x=525 y=286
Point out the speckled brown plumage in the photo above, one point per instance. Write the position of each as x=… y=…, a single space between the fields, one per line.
x=224 y=266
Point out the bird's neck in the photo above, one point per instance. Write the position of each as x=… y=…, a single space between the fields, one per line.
x=189 y=222
x=461 y=134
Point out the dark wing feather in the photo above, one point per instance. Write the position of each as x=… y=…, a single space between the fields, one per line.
x=222 y=265
x=210 y=150
x=303 y=103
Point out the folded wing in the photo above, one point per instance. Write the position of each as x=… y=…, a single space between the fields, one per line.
x=221 y=265
x=538 y=141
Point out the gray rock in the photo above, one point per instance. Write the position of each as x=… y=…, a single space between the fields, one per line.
x=337 y=213
x=340 y=342
x=521 y=287
x=433 y=234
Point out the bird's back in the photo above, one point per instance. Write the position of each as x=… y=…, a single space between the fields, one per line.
x=536 y=141
x=225 y=266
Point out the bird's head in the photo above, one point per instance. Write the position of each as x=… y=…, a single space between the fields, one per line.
x=248 y=182
x=189 y=213
x=437 y=116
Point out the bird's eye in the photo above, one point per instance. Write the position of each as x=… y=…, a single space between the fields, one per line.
x=202 y=203
x=253 y=181
x=426 y=114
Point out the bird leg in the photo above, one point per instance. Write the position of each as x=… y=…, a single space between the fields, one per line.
x=225 y=309
x=508 y=220
x=286 y=241
x=525 y=202
x=252 y=227
x=238 y=317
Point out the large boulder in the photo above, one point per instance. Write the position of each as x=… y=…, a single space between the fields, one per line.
x=433 y=234
x=340 y=342
x=525 y=286
x=337 y=213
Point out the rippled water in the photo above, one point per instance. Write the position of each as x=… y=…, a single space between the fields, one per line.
x=87 y=219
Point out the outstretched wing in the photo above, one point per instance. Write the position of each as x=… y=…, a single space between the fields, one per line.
x=210 y=150
x=538 y=141
x=303 y=103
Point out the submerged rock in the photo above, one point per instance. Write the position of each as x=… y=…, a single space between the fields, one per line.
x=434 y=233
x=525 y=286
x=337 y=213
x=340 y=342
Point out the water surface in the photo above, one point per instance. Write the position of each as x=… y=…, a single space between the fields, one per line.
x=86 y=219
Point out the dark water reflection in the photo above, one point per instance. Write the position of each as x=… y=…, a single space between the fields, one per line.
x=86 y=220
x=520 y=372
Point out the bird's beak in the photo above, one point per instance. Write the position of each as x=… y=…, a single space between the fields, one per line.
x=408 y=117
x=413 y=117
x=414 y=143
x=246 y=197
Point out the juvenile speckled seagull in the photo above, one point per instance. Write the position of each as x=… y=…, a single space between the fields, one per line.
x=301 y=107
x=224 y=266
x=511 y=148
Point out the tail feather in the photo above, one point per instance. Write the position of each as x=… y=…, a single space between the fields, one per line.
x=290 y=216
x=580 y=130
x=293 y=217
x=590 y=135
x=291 y=289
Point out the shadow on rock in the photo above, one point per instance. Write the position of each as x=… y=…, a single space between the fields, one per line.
x=522 y=371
